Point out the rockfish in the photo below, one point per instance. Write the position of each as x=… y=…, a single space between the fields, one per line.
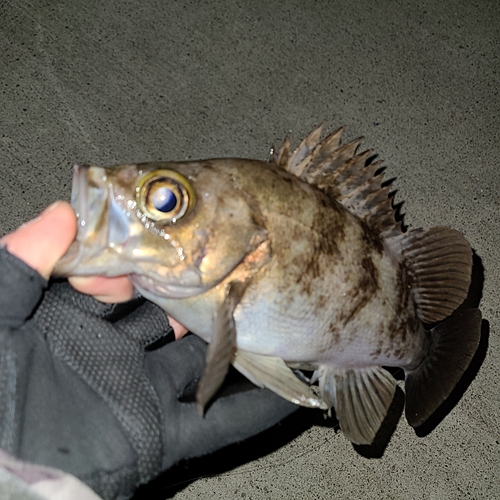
x=295 y=263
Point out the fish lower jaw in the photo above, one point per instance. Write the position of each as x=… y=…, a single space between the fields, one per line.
x=149 y=287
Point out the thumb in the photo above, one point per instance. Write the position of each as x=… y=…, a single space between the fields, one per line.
x=41 y=242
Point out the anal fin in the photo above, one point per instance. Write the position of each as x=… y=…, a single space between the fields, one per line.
x=222 y=346
x=361 y=398
x=273 y=373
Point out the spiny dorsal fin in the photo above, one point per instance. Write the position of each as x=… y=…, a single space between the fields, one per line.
x=304 y=153
x=284 y=154
x=273 y=154
x=439 y=261
x=343 y=174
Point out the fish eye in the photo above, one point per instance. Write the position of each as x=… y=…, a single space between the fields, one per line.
x=165 y=196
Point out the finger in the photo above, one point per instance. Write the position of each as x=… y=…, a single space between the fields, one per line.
x=42 y=241
x=179 y=330
x=108 y=290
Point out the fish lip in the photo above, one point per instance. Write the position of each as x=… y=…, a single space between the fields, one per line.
x=78 y=202
x=71 y=259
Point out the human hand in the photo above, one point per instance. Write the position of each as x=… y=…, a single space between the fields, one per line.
x=98 y=386
x=52 y=232
x=42 y=241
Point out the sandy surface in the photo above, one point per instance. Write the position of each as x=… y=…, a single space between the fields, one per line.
x=118 y=81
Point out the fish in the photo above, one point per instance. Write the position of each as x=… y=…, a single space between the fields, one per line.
x=296 y=264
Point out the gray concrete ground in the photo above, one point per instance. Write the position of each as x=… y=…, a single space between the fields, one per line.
x=122 y=81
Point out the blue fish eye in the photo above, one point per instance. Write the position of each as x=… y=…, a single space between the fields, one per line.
x=164 y=199
x=164 y=196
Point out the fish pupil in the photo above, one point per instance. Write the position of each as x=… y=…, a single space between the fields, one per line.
x=164 y=199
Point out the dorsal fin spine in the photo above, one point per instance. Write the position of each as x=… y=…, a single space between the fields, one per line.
x=339 y=171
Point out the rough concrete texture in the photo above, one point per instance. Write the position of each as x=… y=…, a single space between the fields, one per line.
x=121 y=81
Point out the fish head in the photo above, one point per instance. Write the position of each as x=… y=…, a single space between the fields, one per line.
x=177 y=229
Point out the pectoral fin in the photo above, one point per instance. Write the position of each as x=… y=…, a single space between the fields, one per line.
x=221 y=348
x=361 y=398
x=273 y=373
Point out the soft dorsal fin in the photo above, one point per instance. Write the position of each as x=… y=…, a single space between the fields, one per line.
x=439 y=262
x=351 y=178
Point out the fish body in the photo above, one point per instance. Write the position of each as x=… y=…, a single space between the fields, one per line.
x=293 y=263
x=320 y=269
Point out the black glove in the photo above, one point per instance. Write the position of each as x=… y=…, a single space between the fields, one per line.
x=95 y=389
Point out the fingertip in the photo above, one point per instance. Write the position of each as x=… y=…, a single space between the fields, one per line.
x=62 y=215
x=42 y=241
x=179 y=329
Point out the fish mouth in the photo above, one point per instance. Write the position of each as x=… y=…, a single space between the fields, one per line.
x=79 y=201
x=85 y=199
